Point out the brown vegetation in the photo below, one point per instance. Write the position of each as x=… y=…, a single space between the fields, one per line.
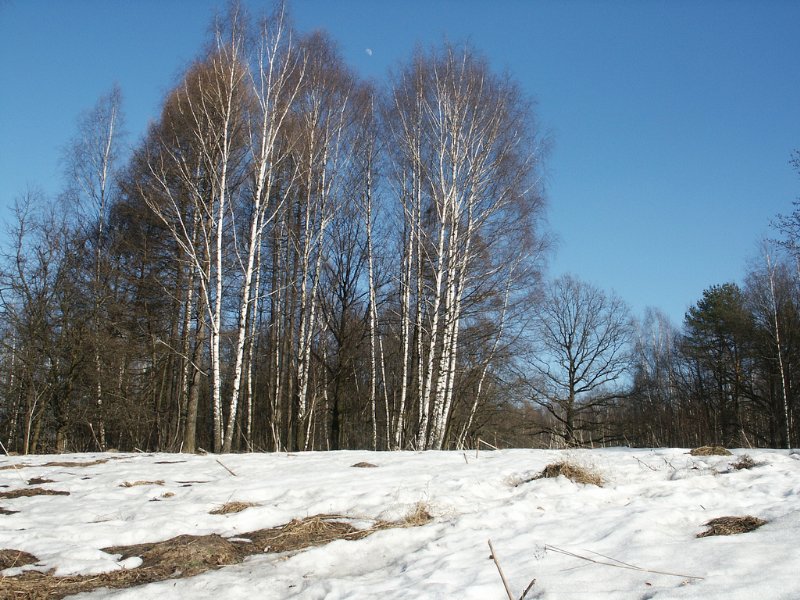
x=15 y=558
x=27 y=492
x=232 y=507
x=189 y=555
x=572 y=472
x=710 y=451
x=127 y=484
x=731 y=526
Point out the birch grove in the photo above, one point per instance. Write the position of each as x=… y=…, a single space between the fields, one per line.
x=300 y=260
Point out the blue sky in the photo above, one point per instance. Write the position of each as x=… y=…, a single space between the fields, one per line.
x=672 y=122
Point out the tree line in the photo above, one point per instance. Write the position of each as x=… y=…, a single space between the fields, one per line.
x=292 y=258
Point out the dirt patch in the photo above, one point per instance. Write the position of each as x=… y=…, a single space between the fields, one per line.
x=15 y=558
x=232 y=507
x=573 y=472
x=731 y=526
x=24 y=493
x=188 y=555
x=5 y=511
x=129 y=484
x=710 y=451
x=39 y=481
x=364 y=465
x=168 y=462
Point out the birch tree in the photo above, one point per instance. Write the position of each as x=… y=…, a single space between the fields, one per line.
x=466 y=173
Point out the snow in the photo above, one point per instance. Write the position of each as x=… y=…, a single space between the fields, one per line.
x=647 y=515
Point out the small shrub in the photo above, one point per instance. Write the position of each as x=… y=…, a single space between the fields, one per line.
x=731 y=526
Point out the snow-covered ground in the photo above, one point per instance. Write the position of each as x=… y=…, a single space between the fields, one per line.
x=647 y=515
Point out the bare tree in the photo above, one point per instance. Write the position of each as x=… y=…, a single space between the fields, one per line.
x=582 y=355
x=92 y=160
x=465 y=170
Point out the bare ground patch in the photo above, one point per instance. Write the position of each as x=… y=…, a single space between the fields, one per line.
x=364 y=465
x=36 y=491
x=188 y=555
x=731 y=526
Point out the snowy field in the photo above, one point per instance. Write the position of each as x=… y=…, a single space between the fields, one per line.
x=640 y=528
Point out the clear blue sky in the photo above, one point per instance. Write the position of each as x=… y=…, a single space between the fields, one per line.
x=672 y=122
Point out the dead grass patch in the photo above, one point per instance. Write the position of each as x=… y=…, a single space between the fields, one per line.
x=710 y=451
x=129 y=484
x=15 y=558
x=39 y=481
x=731 y=526
x=189 y=555
x=99 y=461
x=364 y=465
x=573 y=472
x=24 y=493
x=5 y=511
x=232 y=507
x=744 y=462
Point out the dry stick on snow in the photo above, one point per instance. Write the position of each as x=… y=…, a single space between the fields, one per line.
x=226 y=468
x=616 y=563
x=500 y=570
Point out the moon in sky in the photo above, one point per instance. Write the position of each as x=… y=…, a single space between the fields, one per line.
x=368 y=51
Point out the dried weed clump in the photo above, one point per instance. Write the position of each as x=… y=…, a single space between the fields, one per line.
x=710 y=451
x=232 y=507
x=364 y=465
x=731 y=526
x=744 y=462
x=573 y=472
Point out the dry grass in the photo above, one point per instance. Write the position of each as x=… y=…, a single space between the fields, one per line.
x=744 y=462
x=573 y=472
x=731 y=526
x=39 y=481
x=710 y=451
x=232 y=507
x=27 y=492
x=99 y=461
x=129 y=484
x=364 y=465
x=417 y=516
x=15 y=558
x=188 y=555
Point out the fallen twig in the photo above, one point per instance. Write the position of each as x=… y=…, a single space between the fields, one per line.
x=616 y=563
x=500 y=570
x=226 y=468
